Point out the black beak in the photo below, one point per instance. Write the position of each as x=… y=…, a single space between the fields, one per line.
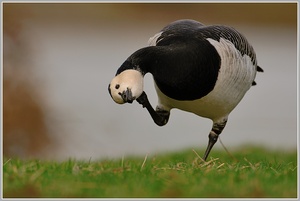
x=127 y=96
x=109 y=90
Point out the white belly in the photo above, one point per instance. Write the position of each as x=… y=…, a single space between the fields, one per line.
x=234 y=80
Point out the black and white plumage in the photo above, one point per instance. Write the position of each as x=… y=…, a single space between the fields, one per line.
x=201 y=69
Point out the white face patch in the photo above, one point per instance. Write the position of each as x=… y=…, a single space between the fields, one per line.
x=132 y=80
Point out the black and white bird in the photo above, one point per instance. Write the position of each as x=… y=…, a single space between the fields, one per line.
x=201 y=69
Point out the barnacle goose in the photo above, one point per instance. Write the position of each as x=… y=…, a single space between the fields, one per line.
x=201 y=69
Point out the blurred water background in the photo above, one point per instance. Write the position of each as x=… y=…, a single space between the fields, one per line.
x=58 y=60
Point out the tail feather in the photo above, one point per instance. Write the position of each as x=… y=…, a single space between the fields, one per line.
x=259 y=69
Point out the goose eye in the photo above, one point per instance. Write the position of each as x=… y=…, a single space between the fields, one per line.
x=117 y=86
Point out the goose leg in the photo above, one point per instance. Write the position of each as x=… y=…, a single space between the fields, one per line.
x=159 y=116
x=213 y=136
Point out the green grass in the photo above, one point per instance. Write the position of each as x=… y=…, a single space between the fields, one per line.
x=254 y=172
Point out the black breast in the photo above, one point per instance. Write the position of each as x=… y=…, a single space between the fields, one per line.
x=186 y=68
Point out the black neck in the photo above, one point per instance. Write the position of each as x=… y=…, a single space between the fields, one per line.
x=178 y=69
x=142 y=60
